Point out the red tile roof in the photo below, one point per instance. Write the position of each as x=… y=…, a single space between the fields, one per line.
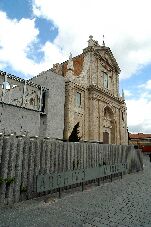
x=139 y=136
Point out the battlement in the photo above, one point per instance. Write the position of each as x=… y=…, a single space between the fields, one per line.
x=20 y=92
x=18 y=79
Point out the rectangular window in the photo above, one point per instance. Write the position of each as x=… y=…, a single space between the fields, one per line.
x=105 y=80
x=78 y=99
x=122 y=116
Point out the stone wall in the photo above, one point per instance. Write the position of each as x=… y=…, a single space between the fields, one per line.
x=54 y=120
x=23 y=158
x=33 y=107
x=19 y=92
x=19 y=120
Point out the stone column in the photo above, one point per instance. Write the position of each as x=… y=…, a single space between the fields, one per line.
x=119 y=126
x=69 y=109
x=86 y=115
x=94 y=120
x=101 y=121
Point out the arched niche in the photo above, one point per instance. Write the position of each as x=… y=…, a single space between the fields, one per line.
x=109 y=126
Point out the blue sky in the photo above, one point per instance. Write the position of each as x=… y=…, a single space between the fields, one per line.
x=35 y=34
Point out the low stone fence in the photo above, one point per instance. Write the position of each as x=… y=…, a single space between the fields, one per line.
x=22 y=159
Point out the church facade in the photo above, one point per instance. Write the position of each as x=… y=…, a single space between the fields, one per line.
x=92 y=95
x=83 y=89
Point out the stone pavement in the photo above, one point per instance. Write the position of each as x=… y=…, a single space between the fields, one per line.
x=125 y=202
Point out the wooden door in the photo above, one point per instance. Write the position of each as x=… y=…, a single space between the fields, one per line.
x=105 y=137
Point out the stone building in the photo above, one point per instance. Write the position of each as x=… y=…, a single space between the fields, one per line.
x=30 y=108
x=139 y=139
x=92 y=95
x=85 y=91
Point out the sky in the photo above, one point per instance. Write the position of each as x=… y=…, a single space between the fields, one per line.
x=35 y=34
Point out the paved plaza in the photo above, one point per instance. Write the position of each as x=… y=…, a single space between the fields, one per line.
x=125 y=202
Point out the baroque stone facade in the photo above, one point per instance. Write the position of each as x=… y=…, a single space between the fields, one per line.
x=92 y=95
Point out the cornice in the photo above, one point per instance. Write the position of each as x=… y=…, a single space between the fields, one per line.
x=106 y=93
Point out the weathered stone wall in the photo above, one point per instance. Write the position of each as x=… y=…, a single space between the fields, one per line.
x=22 y=102
x=94 y=63
x=23 y=158
x=54 y=120
x=19 y=120
x=19 y=92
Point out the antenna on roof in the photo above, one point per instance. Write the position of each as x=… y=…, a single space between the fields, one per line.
x=103 y=41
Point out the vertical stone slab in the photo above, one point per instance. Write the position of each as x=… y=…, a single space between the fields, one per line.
x=62 y=156
x=24 y=174
x=91 y=154
x=111 y=148
x=56 y=157
x=11 y=168
x=105 y=151
x=75 y=155
x=97 y=155
x=117 y=150
x=36 y=162
x=52 y=156
x=42 y=156
x=100 y=154
x=1 y=146
x=37 y=157
x=47 y=156
x=87 y=154
x=65 y=157
x=31 y=168
x=84 y=155
x=96 y=148
x=4 y=167
x=60 y=163
x=116 y=154
x=80 y=155
x=18 y=169
x=125 y=153
x=108 y=154
x=71 y=155
x=120 y=154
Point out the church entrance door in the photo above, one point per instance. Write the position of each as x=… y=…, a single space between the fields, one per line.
x=105 y=137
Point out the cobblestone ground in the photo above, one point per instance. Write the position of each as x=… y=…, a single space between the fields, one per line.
x=125 y=202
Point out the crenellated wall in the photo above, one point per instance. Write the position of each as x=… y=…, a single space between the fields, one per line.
x=33 y=107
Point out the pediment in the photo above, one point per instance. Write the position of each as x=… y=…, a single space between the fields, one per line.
x=106 y=55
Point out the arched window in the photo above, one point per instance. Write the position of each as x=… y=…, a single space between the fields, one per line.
x=32 y=102
x=6 y=85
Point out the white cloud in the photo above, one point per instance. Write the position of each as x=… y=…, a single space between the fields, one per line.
x=127 y=93
x=146 y=85
x=139 y=112
x=125 y=25
x=15 y=40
